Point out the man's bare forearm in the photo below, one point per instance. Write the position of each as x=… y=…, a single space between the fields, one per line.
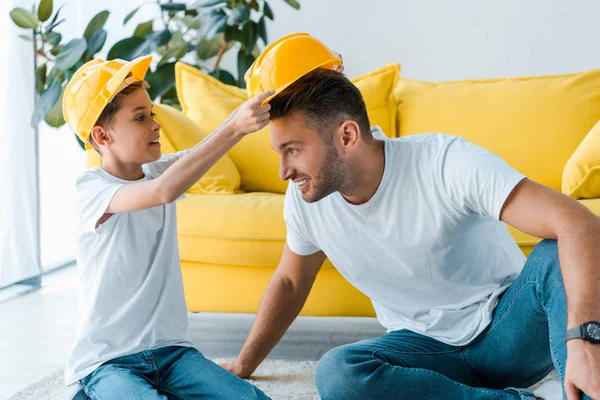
x=280 y=305
x=579 y=253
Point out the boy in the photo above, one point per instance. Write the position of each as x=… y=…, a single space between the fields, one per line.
x=131 y=339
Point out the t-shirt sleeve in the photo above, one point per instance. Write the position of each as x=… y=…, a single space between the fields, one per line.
x=297 y=238
x=93 y=193
x=156 y=168
x=475 y=179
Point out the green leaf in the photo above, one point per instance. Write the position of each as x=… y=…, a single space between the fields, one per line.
x=56 y=50
x=207 y=3
x=255 y=52
x=224 y=76
x=130 y=15
x=191 y=22
x=133 y=47
x=53 y=38
x=45 y=10
x=96 y=42
x=249 y=36
x=143 y=29
x=54 y=25
x=161 y=80
x=244 y=63
x=96 y=23
x=70 y=54
x=239 y=15
x=40 y=77
x=45 y=103
x=268 y=12
x=173 y=7
x=207 y=48
x=25 y=37
x=177 y=51
x=217 y=25
x=254 y=5
x=293 y=3
x=24 y=18
x=126 y=49
x=55 y=17
x=79 y=142
x=55 y=117
x=261 y=27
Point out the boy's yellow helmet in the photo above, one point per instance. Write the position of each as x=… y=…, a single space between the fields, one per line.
x=285 y=61
x=93 y=86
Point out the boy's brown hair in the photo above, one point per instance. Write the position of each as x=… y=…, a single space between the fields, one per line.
x=105 y=119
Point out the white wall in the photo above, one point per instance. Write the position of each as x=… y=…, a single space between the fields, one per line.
x=444 y=40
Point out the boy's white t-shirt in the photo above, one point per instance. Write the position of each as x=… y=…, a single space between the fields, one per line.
x=428 y=248
x=130 y=286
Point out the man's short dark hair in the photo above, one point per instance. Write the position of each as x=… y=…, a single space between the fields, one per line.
x=325 y=98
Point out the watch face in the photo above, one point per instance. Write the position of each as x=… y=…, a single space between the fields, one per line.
x=593 y=330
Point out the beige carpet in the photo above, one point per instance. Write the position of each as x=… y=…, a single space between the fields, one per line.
x=279 y=379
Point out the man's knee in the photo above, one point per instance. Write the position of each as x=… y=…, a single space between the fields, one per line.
x=338 y=373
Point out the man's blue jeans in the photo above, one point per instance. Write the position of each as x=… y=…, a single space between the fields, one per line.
x=173 y=373
x=523 y=343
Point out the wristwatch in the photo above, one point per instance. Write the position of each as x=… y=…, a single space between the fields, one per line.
x=589 y=331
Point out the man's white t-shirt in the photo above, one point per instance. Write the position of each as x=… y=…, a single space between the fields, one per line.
x=428 y=248
x=130 y=286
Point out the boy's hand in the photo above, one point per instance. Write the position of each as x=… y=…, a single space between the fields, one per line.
x=340 y=69
x=252 y=116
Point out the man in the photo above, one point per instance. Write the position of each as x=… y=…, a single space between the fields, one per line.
x=417 y=225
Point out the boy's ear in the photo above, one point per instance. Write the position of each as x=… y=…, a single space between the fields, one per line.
x=100 y=135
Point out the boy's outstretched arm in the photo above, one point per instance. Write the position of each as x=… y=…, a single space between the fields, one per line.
x=180 y=176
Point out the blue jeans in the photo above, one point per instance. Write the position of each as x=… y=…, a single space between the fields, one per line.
x=173 y=373
x=522 y=344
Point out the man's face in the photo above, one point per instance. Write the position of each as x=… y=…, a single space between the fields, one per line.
x=133 y=130
x=306 y=159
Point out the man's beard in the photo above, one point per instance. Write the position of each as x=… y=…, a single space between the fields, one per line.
x=329 y=179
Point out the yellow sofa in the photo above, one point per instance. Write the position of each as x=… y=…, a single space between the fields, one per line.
x=230 y=226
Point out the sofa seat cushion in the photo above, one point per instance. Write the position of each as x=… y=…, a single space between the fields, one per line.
x=239 y=229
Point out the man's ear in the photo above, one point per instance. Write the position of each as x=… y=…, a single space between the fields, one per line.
x=100 y=135
x=348 y=134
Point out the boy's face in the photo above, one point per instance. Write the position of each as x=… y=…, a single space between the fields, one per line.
x=134 y=133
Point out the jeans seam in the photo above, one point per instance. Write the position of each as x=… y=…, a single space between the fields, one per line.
x=470 y=368
x=532 y=377
x=174 y=394
x=96 y=396
x=504 y=315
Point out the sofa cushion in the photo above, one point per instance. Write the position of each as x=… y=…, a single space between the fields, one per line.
x=581 y=176
x=534 y=123
x=208 y=102
x=242 y=229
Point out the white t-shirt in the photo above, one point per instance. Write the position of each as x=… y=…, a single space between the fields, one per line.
x=428 y=248
x=130 y=286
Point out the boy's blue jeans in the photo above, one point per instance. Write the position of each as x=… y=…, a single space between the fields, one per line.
x=524 y=342
x=173 y=373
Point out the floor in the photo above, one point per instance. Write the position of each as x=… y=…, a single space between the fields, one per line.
x=37 y=330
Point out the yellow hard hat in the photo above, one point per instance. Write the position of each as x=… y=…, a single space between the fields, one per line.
x=285 y=61
x=93 y=86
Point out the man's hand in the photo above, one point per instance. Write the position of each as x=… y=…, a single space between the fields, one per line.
x=236 y=369
x=583 y=369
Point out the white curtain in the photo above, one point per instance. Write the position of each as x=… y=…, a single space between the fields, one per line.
x=19 y=258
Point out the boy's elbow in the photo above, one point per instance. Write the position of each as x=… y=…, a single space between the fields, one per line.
x=164 y=193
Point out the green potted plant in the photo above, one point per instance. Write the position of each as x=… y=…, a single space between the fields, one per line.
x=202 y=30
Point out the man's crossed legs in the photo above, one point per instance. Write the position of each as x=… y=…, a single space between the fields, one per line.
x=523 y=343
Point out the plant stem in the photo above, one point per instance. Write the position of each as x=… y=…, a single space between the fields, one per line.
x=220 y=55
